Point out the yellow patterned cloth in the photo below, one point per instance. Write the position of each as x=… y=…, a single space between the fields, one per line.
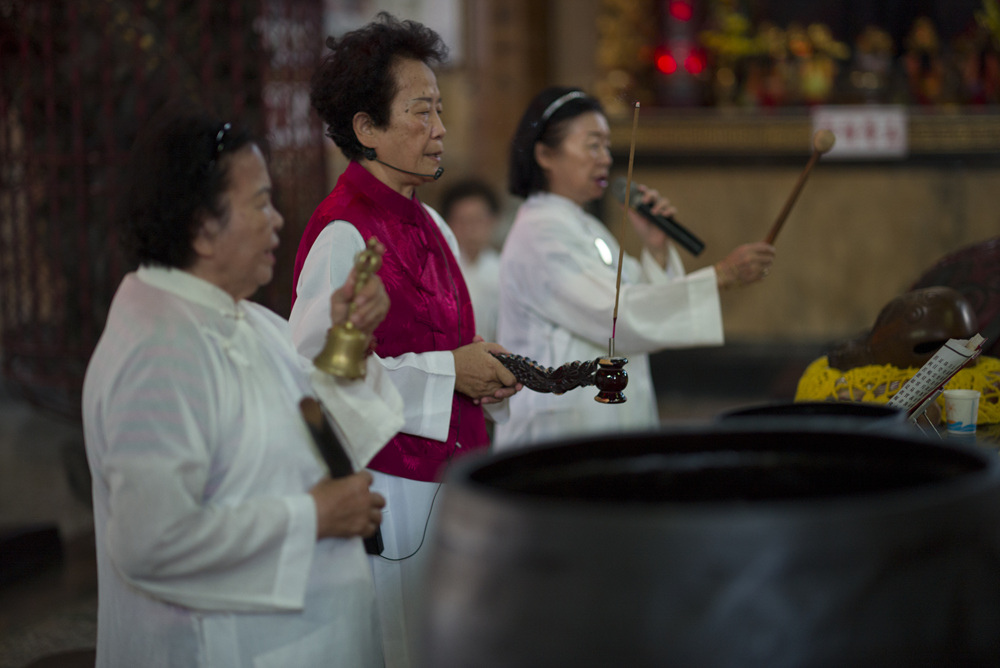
x=877 y=383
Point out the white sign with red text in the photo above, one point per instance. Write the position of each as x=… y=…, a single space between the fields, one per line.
x=864 y=132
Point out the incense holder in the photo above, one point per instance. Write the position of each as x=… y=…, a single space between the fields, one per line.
x=611 y=380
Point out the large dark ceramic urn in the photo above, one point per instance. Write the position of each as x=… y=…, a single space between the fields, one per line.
x=771 y=545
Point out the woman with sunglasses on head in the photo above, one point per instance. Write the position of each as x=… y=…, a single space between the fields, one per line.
x=558 y=274
x=220 y=539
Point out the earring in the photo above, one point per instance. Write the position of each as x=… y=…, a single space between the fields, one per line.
x=369 y=153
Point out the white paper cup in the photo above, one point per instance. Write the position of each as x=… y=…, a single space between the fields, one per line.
x=961 y=408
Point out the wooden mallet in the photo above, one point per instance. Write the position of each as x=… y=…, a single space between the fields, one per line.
x=822 y=142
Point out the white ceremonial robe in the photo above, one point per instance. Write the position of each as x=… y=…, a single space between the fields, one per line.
x=206 y=533
x=482 y=277
x=558 y=270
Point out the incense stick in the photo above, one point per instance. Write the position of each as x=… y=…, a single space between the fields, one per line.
x=621 y=245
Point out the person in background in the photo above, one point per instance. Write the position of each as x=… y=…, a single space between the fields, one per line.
x=558 y=275
x=379 y=98
x=472 y=212
x=220 y=540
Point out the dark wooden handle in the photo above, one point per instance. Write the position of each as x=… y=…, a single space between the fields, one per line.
x=776 y=227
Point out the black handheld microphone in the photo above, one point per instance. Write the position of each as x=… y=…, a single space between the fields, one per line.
x=370 y=155
x=671 y=227
x=337 y=462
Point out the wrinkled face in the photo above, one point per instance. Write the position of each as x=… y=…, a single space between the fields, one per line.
x=414 y=137
x=237 y=254
x=912 y=327
x=472 y=221
x=578 y=168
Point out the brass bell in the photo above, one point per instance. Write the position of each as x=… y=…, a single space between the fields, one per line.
x=343 y=354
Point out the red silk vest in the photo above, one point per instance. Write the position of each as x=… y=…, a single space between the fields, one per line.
x=430 y=310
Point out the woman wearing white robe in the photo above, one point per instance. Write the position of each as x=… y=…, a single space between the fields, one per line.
x=220 y=541
x=558 y=273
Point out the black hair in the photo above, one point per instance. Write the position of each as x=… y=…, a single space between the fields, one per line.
x=357 y=74
x=525 y=175
x=469 y=188
x=177 y=173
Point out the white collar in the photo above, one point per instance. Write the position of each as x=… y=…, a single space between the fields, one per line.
x=545 y=197
x=587 y=222
x=187 y=286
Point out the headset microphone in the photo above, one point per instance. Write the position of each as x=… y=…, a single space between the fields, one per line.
x=436 y=175
x=370 y=155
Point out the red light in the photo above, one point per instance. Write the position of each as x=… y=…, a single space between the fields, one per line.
x=681 y=10
x=694 y=63
x=666 y=63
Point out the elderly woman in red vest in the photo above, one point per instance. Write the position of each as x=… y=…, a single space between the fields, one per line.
x=380 y=100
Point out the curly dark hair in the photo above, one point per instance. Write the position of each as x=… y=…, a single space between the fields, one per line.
x=177 y=173
x=525 y=175
x=357 y=74
x=469 y=188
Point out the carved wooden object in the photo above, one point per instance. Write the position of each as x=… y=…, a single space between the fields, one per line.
x=536 y=377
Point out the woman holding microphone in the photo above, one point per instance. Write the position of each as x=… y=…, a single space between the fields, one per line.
x=558 y=274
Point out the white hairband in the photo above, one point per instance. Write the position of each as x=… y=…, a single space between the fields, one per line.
x=560 y=101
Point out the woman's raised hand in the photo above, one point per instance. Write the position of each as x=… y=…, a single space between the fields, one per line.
x=746 y=264
x=653 y=238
